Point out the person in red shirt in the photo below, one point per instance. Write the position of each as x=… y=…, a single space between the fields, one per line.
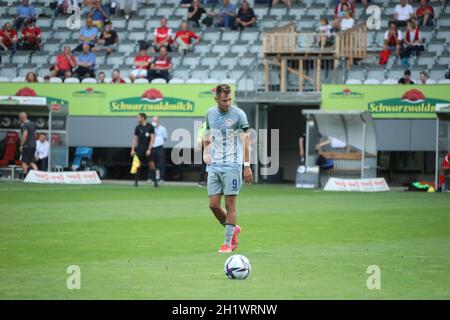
x=445 y=169
x=8 y=38
x=183 y=38
x=425 y=14
x=162 y=36
x=115 y=77
x=31 y=36
x=141 y=64
x=160 y=66
x=64 y=64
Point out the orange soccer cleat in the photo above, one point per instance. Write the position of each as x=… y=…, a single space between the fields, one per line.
x=225 y=249
x=234 y=240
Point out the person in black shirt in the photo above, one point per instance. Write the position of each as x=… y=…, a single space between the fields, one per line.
x=108 y=39
x=27 y=143
x=144 y=136
x=245 y=16
x=406 y=78
x=195 y=12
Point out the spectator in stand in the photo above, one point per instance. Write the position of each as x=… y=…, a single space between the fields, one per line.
x=101 y=77
x=64 y=65
x=406 y=78
x=128 y=8
x=86 y=7
x=347 y=22
x=393 y=39
x=141 y=65
x=162 y=36
x=88 y=35
x=160 y=66
x=325 y=38
x=365 y=3
x=8 y=38
x=288 y=3
x=115 y=77
x=425 y=14
x=245 y=16
x=185 y=3
x=24 y=13
x=108 y=39
x=31 y=36
x=423 y=77
x=412 y=42
x=183 y=39
x=98 y=14
x=31 y=77
x=225 y=15
x=86 y=63
x=402 y=13
x=194 y=14
x=339 y=13
x=62 y=6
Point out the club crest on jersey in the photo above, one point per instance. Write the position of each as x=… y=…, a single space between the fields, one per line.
x=147 y=134
x=229 y=122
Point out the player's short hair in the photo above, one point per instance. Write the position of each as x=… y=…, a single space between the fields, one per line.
x=223 y=88
x=143 y=115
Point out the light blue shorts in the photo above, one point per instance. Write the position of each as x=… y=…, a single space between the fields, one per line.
x=226 y=183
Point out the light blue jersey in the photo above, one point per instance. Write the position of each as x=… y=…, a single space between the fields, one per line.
x=226 y=145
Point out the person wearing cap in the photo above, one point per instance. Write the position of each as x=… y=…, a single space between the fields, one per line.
x=406 y=78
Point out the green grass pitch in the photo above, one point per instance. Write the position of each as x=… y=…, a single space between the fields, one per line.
x=161 y=243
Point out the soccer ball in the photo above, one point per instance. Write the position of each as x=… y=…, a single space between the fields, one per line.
x=237 y=267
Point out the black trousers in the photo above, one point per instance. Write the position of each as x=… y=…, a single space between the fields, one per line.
x=158 y=156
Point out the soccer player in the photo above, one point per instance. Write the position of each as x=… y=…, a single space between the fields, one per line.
x=27 y=143
x=226 y=148
x=143 y=139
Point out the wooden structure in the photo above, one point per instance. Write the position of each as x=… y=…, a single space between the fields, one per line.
x=290 y=51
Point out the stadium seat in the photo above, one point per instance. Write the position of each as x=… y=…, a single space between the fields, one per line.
x=219 y=72
x=89 y=80
x=194 y=81
x=249 y=35
x=211 y=81
x=230 y=36
x=18 y=79
x=4 y=79
x=353 y=81
x=228 y=81
x=376 y=73
x=438 y=73
x=200 y=73
x=210 y=60
x=444 y=81
x=390 y=81
x=55 y=80
x=72 y=80
x=143 y=80
x=371 y=81
x=176 y=81
x=181 y=73
x=40 y=58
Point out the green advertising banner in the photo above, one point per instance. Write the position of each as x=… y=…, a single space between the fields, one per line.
x=170 y=100
x=386 y=101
